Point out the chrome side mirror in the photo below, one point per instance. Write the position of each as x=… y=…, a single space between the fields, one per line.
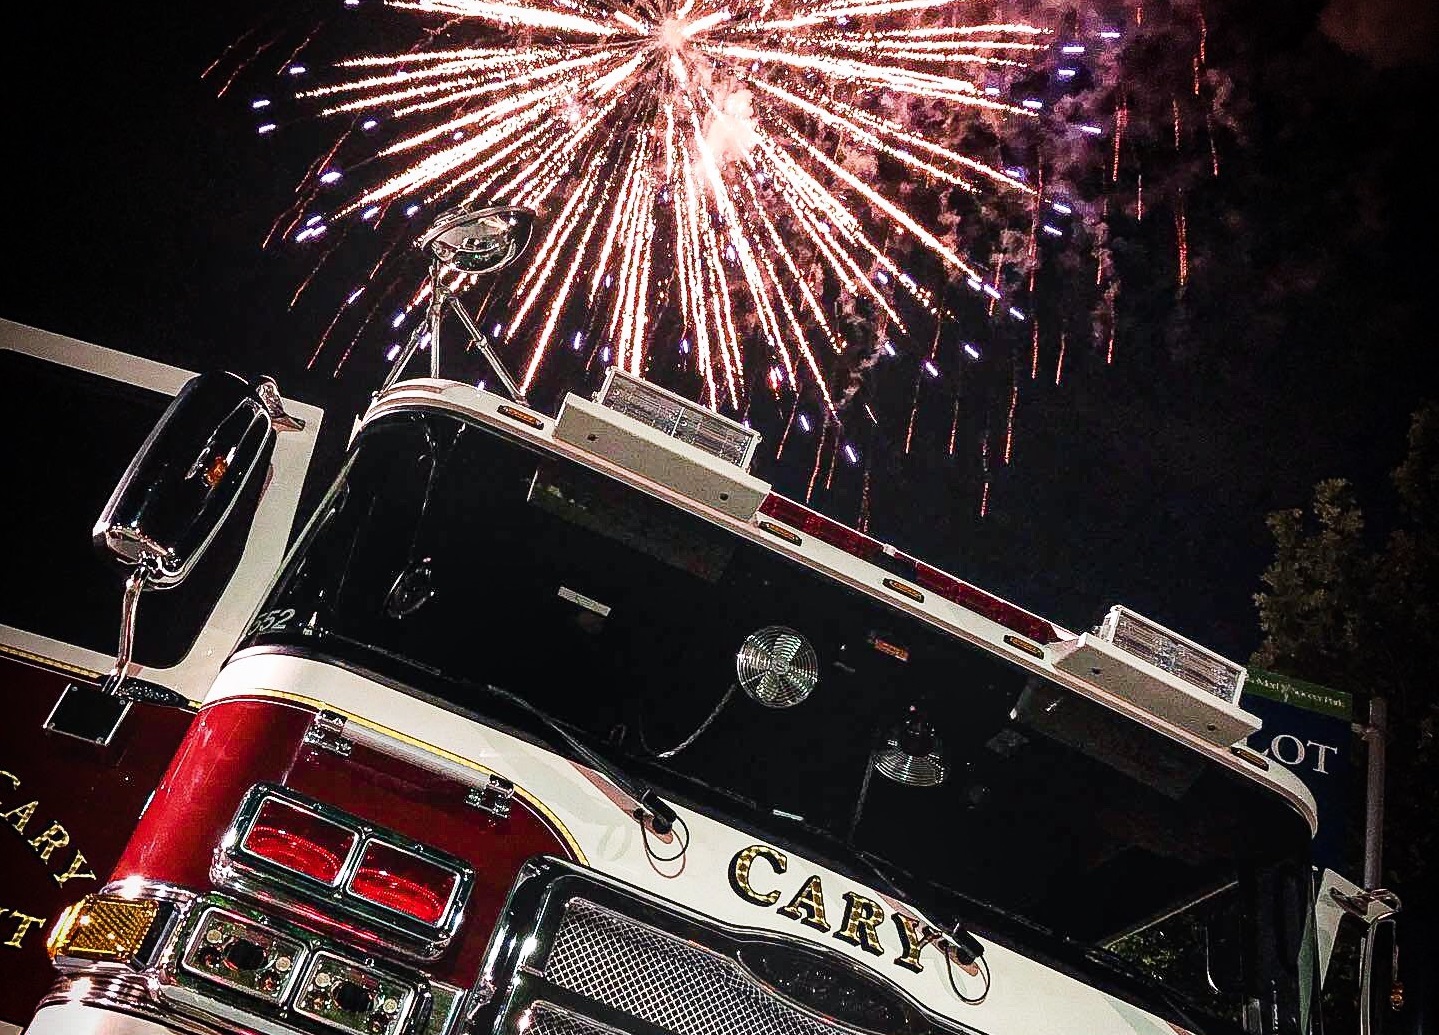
x=185 y=479
x=179 y=489
x=1339 y=900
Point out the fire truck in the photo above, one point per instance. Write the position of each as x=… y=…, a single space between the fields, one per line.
x=569 y=724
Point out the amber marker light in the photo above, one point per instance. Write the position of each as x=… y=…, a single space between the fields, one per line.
x=101 y=927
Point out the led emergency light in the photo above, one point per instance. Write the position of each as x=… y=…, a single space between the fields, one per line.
x=300 y=841
x=351 y=996
x=404 y=883
x=1163 y=673
x=668 y=440
x=264 y=975
x=678 y=417
x=1173 y=653
x=241 y=954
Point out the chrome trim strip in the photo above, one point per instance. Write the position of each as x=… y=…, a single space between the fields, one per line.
x=184 y=999
x=110 y=986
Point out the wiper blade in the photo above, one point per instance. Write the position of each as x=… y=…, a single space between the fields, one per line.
x=649 y=806
x=969 y=947
x=1177 y=1004
x=1112 y=961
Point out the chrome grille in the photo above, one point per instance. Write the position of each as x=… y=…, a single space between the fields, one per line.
x=542 y=1018
x=667 y=981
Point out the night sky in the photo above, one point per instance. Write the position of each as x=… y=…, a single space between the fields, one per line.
x=137 y=201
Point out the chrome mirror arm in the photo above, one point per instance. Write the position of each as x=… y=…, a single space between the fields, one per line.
x=129 y=605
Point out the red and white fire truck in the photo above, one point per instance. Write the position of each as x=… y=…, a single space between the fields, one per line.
x=567 y=724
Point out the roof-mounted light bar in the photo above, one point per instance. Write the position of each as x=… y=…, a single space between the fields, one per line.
x=1163 y=648
x=1163 y=673
x=668 y=440
x=678 y=417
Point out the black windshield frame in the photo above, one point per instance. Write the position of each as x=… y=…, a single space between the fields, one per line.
x=450 y=555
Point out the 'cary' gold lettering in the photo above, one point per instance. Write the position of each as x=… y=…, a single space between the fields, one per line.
x=20 y=815
x=739 y=873
x=862 y=917
x=807 y=906
x=72 y=872
x=23 y=923
x=55 y=836
x=913 y=937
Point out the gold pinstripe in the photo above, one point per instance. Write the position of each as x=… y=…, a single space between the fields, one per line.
x=525 y=795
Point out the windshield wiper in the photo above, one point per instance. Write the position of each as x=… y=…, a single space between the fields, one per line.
x=910 y=888
x=1110 y=960
x=649 y=806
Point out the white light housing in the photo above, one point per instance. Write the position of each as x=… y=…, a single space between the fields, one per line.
x=1162 y=672
x=1167 y=650
x=662 y=446
x=678 y=417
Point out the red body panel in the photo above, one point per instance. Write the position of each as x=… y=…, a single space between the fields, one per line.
x=237 y=743
x=85 y=802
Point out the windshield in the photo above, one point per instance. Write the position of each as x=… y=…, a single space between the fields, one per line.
x=448 y=557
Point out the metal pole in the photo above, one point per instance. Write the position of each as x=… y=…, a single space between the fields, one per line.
x=1374 y=737
x=478 y=339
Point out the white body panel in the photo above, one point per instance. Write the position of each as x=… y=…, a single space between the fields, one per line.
x=1025 y=997
x=264 y=549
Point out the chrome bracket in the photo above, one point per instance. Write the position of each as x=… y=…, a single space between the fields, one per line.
x=327 y=732
x=492 y=798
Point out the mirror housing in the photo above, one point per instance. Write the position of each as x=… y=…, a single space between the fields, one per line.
x=1380 y=996
x=166 y=510
x=479 y=242
x=185 y=479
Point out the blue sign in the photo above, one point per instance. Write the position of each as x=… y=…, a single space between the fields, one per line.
x=1309 y=729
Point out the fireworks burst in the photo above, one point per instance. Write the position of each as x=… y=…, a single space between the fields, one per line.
x=759 y=206
x=745 y=187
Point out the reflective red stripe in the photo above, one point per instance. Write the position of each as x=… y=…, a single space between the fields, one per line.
x=941 y=583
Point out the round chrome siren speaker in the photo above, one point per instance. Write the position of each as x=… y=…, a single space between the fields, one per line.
x=777 y=666
x=911 y=753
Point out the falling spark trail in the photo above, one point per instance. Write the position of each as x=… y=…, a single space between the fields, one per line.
x=1009 y=423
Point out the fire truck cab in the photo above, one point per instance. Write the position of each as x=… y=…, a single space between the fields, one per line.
x=570 y=724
